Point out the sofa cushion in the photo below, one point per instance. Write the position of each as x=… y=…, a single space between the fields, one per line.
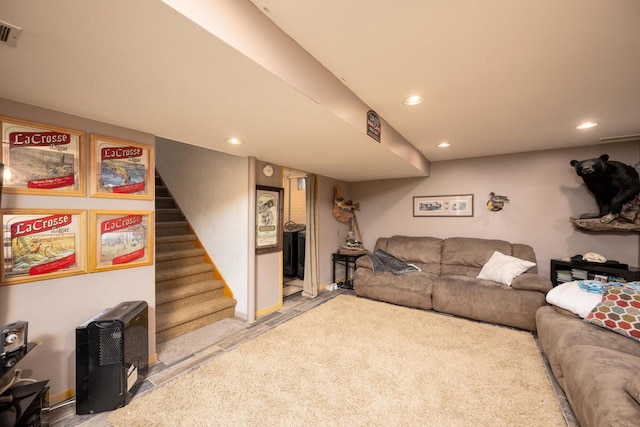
x=381 y=243
x=411 y=289
x=618 y=311
x=522 y=251
x=532 y=282
x=503 y=268
x=425 y=251
x=558 y=332
x=464 y=256
x=487 y=301
x=595 y=379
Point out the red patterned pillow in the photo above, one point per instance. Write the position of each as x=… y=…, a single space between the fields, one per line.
x=618 y=311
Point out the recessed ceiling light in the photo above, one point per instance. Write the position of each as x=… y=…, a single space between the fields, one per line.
x=586 y=125
x=444 y=144
x=233 y=141
x=413 y=100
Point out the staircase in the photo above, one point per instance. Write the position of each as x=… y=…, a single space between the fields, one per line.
x=189 y=292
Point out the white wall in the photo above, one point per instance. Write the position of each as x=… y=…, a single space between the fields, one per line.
x=544 y=191
x=55 y=307
x=211 y=189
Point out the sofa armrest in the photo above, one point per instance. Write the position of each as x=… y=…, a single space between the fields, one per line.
x=532 y=282
x=365 y=262
x=632 y=386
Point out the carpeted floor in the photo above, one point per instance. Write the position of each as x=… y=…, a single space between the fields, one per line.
x=353 y=361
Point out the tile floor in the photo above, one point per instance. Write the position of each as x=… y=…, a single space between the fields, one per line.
x=64 y=415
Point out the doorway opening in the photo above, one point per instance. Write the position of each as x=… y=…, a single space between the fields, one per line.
x=295 y=220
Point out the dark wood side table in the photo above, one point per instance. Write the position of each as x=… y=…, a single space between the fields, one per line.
x=629 y=274
x=349 y=263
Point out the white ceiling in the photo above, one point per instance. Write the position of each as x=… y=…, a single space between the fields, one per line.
x=499 y=76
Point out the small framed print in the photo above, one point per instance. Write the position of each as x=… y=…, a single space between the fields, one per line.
x=120 y=239
x=269 y=213
x=42 y=244
x=460 y=205
x=121 y=169
x=42 y=159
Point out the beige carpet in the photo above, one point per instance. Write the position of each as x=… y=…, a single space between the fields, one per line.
x=357 y=362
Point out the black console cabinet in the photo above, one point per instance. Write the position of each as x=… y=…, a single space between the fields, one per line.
x=21 y=404
x=630 y=275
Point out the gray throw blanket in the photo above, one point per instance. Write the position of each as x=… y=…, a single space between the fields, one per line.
x=381 y=261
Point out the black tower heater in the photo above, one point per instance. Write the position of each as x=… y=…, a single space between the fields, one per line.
x=112 y=357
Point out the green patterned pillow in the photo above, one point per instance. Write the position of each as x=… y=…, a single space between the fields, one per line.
x=618 y=311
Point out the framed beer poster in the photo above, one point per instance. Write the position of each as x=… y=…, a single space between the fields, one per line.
x=120 y=239
x=121 y=169
x=269 y=215
x=42 y=159
x=42 y=244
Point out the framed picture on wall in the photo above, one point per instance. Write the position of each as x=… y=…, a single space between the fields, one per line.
x=120 y=239
x=42 y=159
x=121 y=169
x=42 y=244
x=269 y=214
x=458 y=205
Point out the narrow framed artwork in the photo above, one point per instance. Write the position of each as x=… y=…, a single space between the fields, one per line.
x=120 y=239
x=456 y=205
x=42 y=159
x=269 y=213
x=121 y=169
x=43 y=244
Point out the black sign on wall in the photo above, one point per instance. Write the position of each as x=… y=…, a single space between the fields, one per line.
x=373 y=125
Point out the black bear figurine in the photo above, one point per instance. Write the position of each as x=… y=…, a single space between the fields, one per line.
x=612 y=183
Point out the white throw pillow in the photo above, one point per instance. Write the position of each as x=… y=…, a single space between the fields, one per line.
x=503 y=268
x=570 y=297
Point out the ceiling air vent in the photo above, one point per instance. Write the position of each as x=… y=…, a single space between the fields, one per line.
x=621 y=138
x=9 y=34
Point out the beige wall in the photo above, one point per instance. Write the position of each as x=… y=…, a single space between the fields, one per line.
x=544 y=191
x=268 y=265
x=332 y=232
x=54 y=308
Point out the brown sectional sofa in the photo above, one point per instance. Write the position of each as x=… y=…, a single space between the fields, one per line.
x=448 y=283
x=598 y=369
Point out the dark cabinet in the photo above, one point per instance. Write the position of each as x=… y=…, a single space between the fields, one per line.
x=566 y=271
x=293 y=251
x=22 y=403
